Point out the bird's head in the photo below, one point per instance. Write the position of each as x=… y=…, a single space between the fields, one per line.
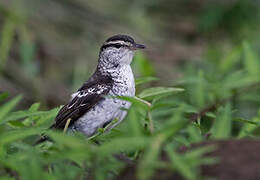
x=118 y=50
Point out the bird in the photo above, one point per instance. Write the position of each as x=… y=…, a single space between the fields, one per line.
x=90 y=107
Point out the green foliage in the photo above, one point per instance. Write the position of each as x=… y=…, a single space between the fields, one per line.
x=208 y=104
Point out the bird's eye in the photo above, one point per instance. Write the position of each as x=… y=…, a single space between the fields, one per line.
x=117 y=45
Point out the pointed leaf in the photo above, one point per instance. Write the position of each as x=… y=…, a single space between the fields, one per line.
x=144 y=80
x=6 y=108
x=158 y=91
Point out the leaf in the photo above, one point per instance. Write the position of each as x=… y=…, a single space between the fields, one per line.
x=194 y=134
x=245 y=121
x=222 y=125
x=252 y=61
x=231 y=59
x=179 y=163
x=15 y=135
x=66 y=140
x=149 y=160
x=143 y=65
x=7 y=35
x=6 y=108
x=158 y=91
x=137 y=101
x=199 y=94
x=134 y=122
x=28 y=114
x=34 y=107
x=200 y=151
x=120 y=144
x=3 y=96
x=144 y=80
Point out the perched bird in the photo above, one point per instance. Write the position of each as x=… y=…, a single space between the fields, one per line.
x=90 y=108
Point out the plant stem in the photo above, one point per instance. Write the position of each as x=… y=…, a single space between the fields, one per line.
x=66 y=125
x=150 y=120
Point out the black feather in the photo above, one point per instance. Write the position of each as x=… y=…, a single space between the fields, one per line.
x=83 y=101
x=121 y=37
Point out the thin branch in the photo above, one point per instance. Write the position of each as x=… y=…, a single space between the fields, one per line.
x=213 y=107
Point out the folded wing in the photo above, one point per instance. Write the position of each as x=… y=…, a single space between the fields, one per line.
x=83 y=100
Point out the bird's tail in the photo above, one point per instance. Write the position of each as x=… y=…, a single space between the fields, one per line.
x=42 y=139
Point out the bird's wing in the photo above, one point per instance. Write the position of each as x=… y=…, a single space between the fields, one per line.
x=86 y=97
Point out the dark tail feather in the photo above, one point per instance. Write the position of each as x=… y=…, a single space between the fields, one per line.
x=42 y=139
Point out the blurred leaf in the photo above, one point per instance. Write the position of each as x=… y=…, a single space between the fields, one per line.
x=123 y=144
x=41 y=115
x=134 y=122
x=229 y=61
x=245 y=121
x=143 y=65
x=6 y=108
x=7 y=35
x=175 y=123
x=14 y=135
x=188 y=163
x=252 y=61
x=158 y=91
x=150 y=159
x=248 y=128
x=144 y=80
x=34 y=107
x=137 y=101
x=7 y=178
x=178 y=162
x=3 y=96
x=194 y=134
x=199 y=91
x=222 y=125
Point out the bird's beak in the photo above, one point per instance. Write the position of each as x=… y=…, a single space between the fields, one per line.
x=138 y=46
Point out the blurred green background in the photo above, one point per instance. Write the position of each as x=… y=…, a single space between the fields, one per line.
x=48 y=48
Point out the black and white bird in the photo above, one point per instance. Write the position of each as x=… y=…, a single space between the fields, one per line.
x=90 y=108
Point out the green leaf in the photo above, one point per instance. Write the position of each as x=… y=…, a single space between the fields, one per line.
x=144 y=80
x=149 y=161
x=3 y=96
x=231 y=59
x=158 y=91
x=20 y=115
x=199 y=94
x=179 y=163
x=6 y=108
x=252 y=61
x=248 y=128
x=245 y=121
x=143 y=65
x=134 y=122
x=222 y=125
x=8 y=30
x=200 y=151
x=137 y=101
x=120 y=144
x=14 y=135
x=34 y=107
x=194 y=134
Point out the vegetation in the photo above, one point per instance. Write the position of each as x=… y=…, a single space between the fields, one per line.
x=208 y=104
x=199 y=81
